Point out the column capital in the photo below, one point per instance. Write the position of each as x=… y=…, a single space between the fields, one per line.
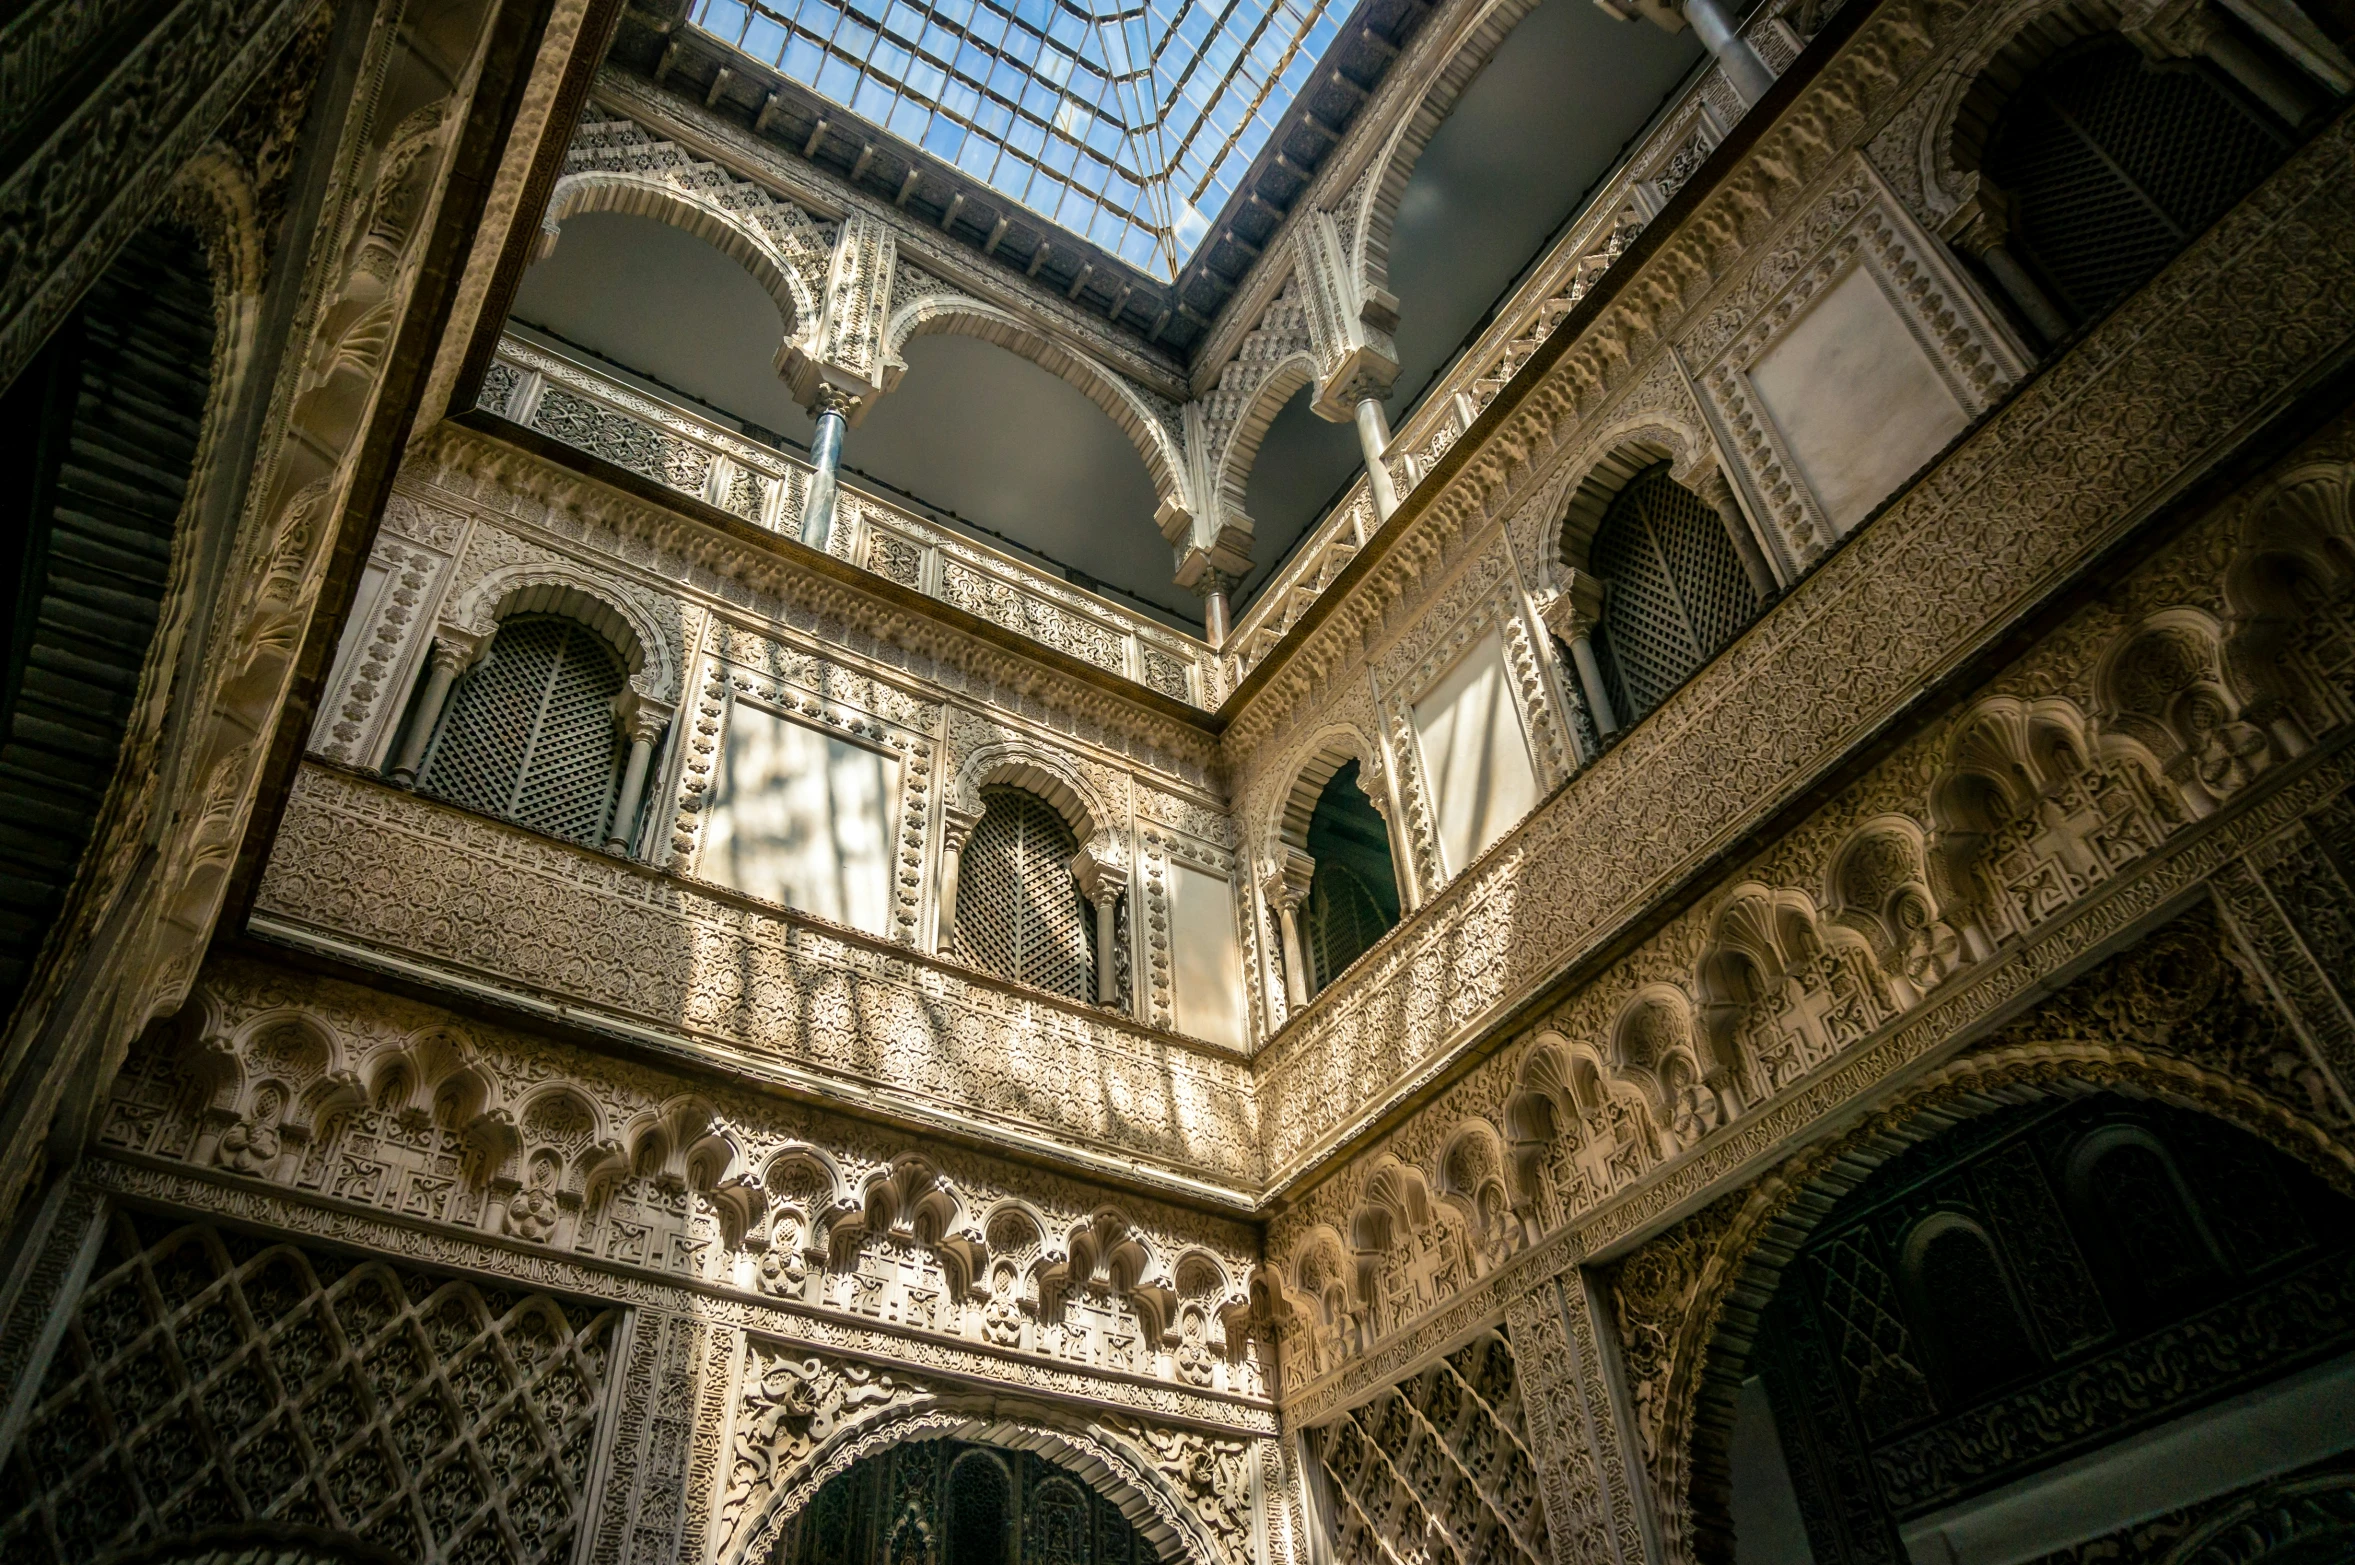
x=830 y=398
x=1574 y=607
x=956 y=827
x=1102 y=873
x=1287 y=881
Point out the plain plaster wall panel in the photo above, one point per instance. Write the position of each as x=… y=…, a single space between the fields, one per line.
x=802 y=818
x=1475 y=753
x=1207 y=962
x=1857 y=400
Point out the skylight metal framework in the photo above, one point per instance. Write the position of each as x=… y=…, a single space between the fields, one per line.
x=1128 y=126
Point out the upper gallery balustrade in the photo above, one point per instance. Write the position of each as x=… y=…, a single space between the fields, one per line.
x=691 y=452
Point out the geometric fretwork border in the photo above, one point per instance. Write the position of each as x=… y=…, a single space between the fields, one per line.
x=209 y=1379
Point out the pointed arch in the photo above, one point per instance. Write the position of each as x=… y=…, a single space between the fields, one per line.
x=628 y=626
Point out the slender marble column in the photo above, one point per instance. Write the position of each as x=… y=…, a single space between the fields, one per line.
x=1373 y=439
x=1590 y=679
x=955 y=830
x=1714 y=26
x=448 y=662
x=1213 y=587
x=833 y=408
x=643 y=733
x=1105 y=899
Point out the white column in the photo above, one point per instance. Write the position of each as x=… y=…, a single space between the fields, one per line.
x=1714 y=26
x=448 y=662
x=832 y=407
x=956 y=829
x=645 y=727
x=1287 y=887
x=1373 y=440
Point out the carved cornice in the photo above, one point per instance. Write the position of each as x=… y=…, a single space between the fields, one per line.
x=1875 y=1071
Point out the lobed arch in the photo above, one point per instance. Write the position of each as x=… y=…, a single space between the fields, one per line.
x=1266 y=397
x=2294 y=556
x=1623 y=452
x=635 y=194
x=1096 y=1454
x=1393 y=167
x=629 y=627
x=1736 y=1274
x=1971 y=92
x=1328 y=750
x=956 y=315
x=1017 y=763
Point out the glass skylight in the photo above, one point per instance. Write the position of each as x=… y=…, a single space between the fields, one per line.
x=1128 y=126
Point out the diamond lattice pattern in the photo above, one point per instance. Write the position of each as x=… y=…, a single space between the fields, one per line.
x=1019 y=912
x=1676 y=591
x=530 y=734
x=209 y=1380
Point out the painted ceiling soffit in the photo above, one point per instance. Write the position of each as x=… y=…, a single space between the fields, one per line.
x=728 y=140
x=1473 y=445
x=891 y=598
x=655 y=46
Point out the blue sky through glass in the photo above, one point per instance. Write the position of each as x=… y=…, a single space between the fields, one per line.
x=1128 y=126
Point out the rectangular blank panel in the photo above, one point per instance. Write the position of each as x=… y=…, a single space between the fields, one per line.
x=1859 y=403
x=803 y=818
x=1208 y=963
x=1475 y=754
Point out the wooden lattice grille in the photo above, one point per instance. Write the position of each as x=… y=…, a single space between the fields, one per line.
x=2115 y=163
x=1675 y=590
x=104 y=427
x=1343 y=920
x=1019 y=911
x=1437 y=1468
x=209 y=1380
x=531 y=734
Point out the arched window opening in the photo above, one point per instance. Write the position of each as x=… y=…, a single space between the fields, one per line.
x=101 y=431
x=2154 y=1246
x=1353 y=895
x=951 y=1502
x=2114 y=162
x=1970 y=1323
x=980 y=1511
x=1019 y=911
x=531 y=734
x=1674 y=589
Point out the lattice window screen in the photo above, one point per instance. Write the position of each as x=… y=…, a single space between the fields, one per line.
x=1342 y=921
x=530 y=733
x=1437 y=1468
x=1019 y=911
x=1676 y=590
x=2115 y=163
x=208 y=1379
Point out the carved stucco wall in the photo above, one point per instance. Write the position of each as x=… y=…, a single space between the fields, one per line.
x=2044 y=483
x=1879 y=932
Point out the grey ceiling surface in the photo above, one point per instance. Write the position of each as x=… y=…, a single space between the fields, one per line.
x=1539 y=126
x=1002 y=445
